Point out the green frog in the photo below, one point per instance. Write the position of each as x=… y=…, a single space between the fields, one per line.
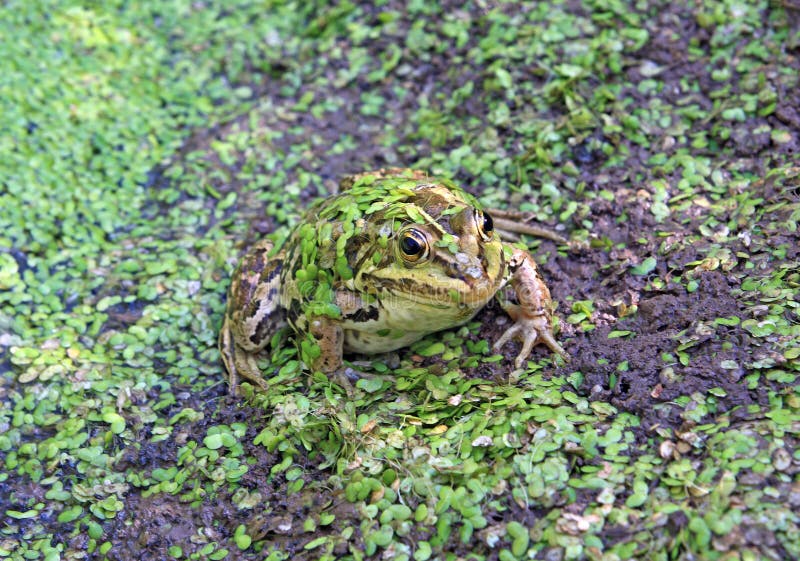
x=394 y=256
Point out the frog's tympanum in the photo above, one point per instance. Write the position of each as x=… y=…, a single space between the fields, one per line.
x=394 y=256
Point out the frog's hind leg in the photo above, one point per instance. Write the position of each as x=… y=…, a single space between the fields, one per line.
x=238 y=361
x=254 y=313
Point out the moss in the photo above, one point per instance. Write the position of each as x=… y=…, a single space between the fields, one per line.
x=144 y=146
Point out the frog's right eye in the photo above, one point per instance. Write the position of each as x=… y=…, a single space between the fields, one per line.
x=413 y=245
x=485 y=225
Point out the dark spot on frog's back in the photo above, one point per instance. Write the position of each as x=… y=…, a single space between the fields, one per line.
x=364 y=314
x=434 y=204
x=273 y=273
x=354 y=244
x=258 y=259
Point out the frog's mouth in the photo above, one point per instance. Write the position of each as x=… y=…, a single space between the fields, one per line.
x=452 y=293
x=445 y=282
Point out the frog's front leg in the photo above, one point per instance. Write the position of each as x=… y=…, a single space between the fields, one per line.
x=328 y=335
x=533 y=316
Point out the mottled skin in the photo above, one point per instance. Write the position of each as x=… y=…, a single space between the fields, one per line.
x=395 y=256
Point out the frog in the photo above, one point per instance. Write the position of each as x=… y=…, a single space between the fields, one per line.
x=395 y=255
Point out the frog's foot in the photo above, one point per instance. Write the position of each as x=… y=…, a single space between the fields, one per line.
x=530 y=330
x=344 y=377
x=239 y=363
x=347 y=377
x=244 y=366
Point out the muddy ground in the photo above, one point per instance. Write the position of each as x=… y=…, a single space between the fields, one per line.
x=672 y=308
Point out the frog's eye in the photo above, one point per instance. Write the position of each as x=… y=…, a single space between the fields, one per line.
x=485 y=224
x=413 y=246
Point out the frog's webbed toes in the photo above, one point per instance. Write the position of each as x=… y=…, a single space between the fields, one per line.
x=342 y=377
x=347 y=377
x=531 y=331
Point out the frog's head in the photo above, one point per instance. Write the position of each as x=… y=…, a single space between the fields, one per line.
x=439 y=249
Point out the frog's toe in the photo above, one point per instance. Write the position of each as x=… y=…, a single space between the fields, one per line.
x=507 y=335
x=547 y=338
x=347 y=377
x=531 y=331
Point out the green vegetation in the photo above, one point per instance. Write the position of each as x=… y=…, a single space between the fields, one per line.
x=145 y=144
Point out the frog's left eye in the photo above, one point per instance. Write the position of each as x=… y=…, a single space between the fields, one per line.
x=414 y=246
x=485 y=224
